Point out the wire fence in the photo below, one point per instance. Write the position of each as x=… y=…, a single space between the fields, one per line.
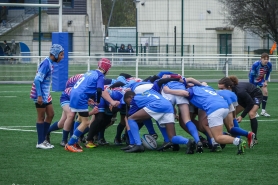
x=21 y=69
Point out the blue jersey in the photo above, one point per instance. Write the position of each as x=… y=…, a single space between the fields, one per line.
x=259 y=73
x=229 y=96
x=176 y=85
x=85 y=88
x=136 y=84
x=205 y=98
x=44 y=75
x=151 y=100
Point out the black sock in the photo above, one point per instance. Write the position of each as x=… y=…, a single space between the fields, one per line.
x=254 y=126
x=264 y=102
x=120 y=129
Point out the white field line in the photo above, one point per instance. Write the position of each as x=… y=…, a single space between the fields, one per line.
x=17 y=128
x=8 y=96
x=14 y=91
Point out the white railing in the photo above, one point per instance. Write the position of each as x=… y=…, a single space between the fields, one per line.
x=18 y=69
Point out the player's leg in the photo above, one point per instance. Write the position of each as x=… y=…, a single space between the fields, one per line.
x=134 y=129
x=68 y=124
x=264 y=101
x=73 y=145
x=41 y=110
x=254 y=121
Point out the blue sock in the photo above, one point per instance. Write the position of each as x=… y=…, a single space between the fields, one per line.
x=149 y=124
x=235 y=123
x=208 y=138
x=134 y=129
x=40 y=132
x=238 y=131
x=130 y=136
x=193 y=130
x=72 y=130
x=76 y=124
x=53 y=127
x=46 y=127
x=65 y=135
x=86 y=130
x=74 y=138
x=163 y=132
x=179 y=140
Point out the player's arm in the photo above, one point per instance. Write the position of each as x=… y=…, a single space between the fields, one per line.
x=268 y=72
x=107 y=97
x=247 y=98
x=193 y=80
x=42 y=71
x=252 y=73
x=176 y=92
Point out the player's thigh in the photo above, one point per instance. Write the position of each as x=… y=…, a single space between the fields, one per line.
x=264 y=90
x=239 y=109
x=49 y=110
x=140 y=115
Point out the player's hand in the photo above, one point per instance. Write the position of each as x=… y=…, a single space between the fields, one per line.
x=239 y=119
x=115 y=103
x=94 y=111
x=91 y=102
x=39 y=100
x=127 y=89
x=265 y=84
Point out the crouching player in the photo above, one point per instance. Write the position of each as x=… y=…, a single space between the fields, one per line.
x=148 y=105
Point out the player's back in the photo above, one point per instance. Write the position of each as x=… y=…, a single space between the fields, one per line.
x=72 y=80
x=88 y=83
x=206 y=98
x=229 y=96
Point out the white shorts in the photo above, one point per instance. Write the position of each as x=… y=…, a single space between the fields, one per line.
x=216 y=118
x=161 y=118
x=174 y=99
x=231 y=108
x=78 y=110
x=142 y=88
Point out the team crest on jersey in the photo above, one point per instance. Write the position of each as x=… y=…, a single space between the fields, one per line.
x=145 y=93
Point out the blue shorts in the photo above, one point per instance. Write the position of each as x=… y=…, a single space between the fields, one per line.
x=64 y=99
x=260 y=84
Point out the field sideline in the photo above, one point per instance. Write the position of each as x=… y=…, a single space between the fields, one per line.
x=23 y=164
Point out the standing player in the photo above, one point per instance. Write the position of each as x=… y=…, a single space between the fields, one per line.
x=90 y=85
x=40 y=94
x=249 y=99
x=259 y=75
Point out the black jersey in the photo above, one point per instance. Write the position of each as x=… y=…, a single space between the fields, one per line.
x=248 y=95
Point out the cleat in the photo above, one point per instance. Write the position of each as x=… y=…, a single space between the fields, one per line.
x=251 y=138
x=222 y=146
x=216 y=148
x=47 y=138
x=117 y=141
x=255 y=142
x=264 y=113
x=127 y=147
x=63 y=143
x=241 y=147
x=47 y=143
x=191 y=146
x=155 y=136
x=176 y=147
x=136 y=148
x=72 y=148
x=199 y=148
x=102 y=142
x=78 y=146
x=257 y=115
x=204 y=141
x=123 y=138
x=165 y=146
x=83 y=139
x=90 y=145
x=43 y=146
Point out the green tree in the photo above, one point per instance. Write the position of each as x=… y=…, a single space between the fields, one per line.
x=123 y=15
x=257 y=16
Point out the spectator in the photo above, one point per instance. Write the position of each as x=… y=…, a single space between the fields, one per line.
x=13 y=50
x=129 y=49
x=122 y=50
x=4 y=15
x=7 y=49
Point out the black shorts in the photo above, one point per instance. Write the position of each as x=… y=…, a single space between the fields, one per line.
x=44 y=105
x=257 y=97
x=83 y=114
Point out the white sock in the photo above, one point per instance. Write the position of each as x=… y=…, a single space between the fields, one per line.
x=213 y=141
x=236 y=141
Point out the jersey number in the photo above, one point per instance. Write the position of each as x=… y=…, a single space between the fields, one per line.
x=211 y=92
x=78 y=82
x=154 y=96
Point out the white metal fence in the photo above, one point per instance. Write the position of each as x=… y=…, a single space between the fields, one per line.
x=21 y=69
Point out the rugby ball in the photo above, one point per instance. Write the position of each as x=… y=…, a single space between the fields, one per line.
x=149 y=142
